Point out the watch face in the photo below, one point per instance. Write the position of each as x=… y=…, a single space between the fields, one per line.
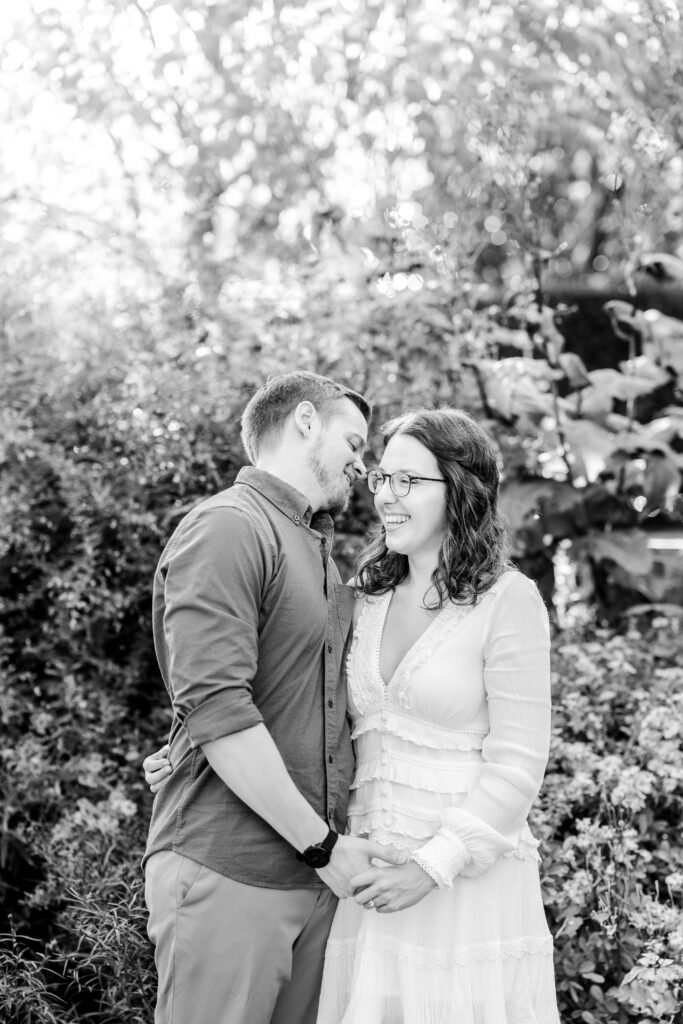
x=317 y=857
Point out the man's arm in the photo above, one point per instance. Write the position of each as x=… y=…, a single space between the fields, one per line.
x=271 y=793
x=250 y=765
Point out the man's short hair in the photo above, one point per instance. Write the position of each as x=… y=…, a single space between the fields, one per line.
x=268 y=409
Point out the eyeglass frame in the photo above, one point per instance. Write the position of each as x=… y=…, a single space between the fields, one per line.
x=399 y=472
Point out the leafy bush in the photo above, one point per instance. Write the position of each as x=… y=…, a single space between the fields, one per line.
x=97 y=466
x=609 y=820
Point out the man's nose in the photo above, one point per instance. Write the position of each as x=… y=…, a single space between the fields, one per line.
x=359 y=468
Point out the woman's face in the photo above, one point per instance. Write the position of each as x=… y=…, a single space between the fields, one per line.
x=415 y=523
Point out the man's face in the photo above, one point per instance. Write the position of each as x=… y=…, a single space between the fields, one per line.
x=336 y=456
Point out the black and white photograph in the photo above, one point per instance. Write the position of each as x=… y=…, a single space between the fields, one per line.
x=341 y=512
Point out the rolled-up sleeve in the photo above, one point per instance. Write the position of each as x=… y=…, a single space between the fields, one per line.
x=213 y=576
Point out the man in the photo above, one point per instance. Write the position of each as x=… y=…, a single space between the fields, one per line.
x=245 y=857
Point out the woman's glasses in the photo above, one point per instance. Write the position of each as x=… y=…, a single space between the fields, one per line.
x=400 y=482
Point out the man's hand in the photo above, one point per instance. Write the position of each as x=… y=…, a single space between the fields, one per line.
x=353 y=855
x=392 y=888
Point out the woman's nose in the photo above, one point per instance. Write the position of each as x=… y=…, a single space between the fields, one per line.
x=386 y=492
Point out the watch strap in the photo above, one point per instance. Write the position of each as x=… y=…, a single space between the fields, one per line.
x=326 y=844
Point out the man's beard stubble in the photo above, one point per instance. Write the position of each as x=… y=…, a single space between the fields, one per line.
x=335 y=498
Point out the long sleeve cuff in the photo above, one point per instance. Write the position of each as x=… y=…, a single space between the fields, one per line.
x=464 y=845
x=220 y=715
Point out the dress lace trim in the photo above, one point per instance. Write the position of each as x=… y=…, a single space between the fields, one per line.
x=368 y=688
x=379 y=806
x=442 y=779
x=441 y=958
x=419 y=731
x=423 y=648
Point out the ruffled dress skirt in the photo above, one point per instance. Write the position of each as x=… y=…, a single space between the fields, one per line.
x=478 y=953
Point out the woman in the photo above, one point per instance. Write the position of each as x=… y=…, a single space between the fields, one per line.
x=448 y=687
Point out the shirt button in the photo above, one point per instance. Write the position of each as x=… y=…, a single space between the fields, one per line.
x=330 y=703
x=330 y=758
x=330 y=815
x=296 y=518
x=330 y=648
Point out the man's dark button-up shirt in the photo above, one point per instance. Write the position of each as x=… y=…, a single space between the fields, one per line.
x=250 y=625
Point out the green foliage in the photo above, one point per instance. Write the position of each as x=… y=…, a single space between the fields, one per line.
x=608 y=820
x=98 y=963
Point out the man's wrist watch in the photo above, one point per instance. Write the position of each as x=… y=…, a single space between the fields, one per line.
x=318 y=855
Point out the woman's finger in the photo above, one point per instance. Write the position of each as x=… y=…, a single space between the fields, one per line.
x=363 y=897
x=151 y=762
x=376 y=892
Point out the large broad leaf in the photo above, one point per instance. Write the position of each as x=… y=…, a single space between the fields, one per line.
x=621 y=386
x=665 y=428
x=544 y=506
x=591 y=445
x=626 y=548
x=517 y=387
x=639 y=439
x=663 y=342
x=574 y=370
x=646 y=467
x=661 y=267
x=626 y=320
x=645 y=368
x=595 y=403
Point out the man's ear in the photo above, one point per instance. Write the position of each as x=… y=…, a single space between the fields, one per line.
x=305 y=417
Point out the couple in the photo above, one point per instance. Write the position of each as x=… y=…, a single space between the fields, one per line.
x=445 y=697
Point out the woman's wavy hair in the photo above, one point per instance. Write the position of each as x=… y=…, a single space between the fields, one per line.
x=475 y=547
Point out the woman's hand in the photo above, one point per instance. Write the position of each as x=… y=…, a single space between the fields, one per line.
x=389 y=888
x=157 y=768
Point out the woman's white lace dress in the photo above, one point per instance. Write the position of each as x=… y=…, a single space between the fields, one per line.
x=450 y=755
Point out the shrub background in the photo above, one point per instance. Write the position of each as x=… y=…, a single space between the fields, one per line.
x=195 y=195
x=81 y=703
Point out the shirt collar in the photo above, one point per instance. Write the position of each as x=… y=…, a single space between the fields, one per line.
x=288 y=499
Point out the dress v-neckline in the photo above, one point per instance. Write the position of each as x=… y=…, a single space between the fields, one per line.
x=381 y=624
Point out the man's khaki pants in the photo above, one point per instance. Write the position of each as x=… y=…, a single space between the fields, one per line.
x=228 y=953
